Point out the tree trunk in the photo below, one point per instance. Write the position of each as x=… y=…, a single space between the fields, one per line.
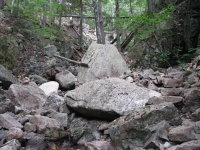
x=151 y=7
x=99 y=26
x=117 y=30
x=131 y=10
x=2 y=4
x=44 y=18
x=81 y=25
x=61 y=12
x=101 y=22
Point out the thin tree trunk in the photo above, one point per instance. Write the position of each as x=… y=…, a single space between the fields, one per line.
x=2 y=4
x=97 y=22
x=61 y=11
x=131 y=10
x=117 y=30
x=44 y=18
x=101 y=22
x=81 y=25
x=151 y=7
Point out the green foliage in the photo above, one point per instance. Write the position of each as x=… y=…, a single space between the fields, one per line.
x=7 y=53
x=33 y=12
x=143 y=25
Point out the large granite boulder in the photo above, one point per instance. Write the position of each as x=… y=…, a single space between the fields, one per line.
x=27 y=97
x=108 y=98
x=6 y=77
x=104 y=61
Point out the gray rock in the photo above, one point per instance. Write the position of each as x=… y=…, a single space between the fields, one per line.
x=172 y=83
x=43 y=122
x=3 y=135
x=27 y=97
x=66 y=80
x=15 y=133
x=134 y=129
x=53 y=102
x=193 y=78
x=89 y=136
x=196 y=115
x=6 y=106
x=51 y=128
x=181 y=134
x=98 y=145
x=160 y=131
x=173 y=99
x=191 y=100
x=171 y=91
x=108 y=99
x=62 y=118
x=50 y=50
x=11 y=145
x=36 y=142
x=191 y=145
x=104 y=61
x=6 y=77
x=7 y=121
x=29 y=127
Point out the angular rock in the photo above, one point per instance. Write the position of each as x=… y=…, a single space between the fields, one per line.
x=191 y=101
x=11 y=145
x=35 y=142
x=50 y=87
x=172 y=83
x=66 y=80
x=62 y=118
x=108 y=99
x=191 y=145
x=27 y=97
x=173 y=99
x=3 y=135
x=171 y=91
x=196 y=115
x=160 y=131
x=181 y=134
x=51 y=128
x=7 y=121
x=53 y=102
x=193 y=78
x=15 y=133
x=29 y=127
x=6 y=77
x=99 y=145
x=104 y=61
x=89 y=136
x=134 y=129
x=43 y=122
x=6 y=106
x=50 y=50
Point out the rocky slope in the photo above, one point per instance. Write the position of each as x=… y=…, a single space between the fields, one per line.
x=139 y=109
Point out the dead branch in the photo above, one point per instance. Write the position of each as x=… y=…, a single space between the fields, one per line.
x=73 y=61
